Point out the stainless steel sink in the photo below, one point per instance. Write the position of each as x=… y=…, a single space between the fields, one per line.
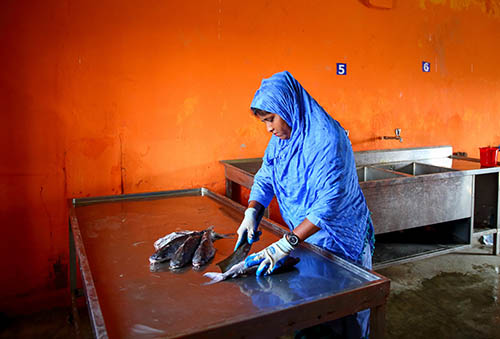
x=366 y=173
x=415 y=168
x=426 y=200
x=404 y=188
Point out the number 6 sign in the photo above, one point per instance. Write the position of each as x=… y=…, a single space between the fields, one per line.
x=426 y=66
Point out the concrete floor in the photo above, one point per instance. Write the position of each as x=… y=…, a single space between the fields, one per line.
x=449 y=296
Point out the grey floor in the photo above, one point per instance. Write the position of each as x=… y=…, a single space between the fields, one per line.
x=449 y=296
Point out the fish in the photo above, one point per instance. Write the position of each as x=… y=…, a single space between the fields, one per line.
x=168 y=251
x=235 y=257
x=174 y=235
x=185 y=252
x=169 y=237
x=169 y=244
x=240 y=269
x=205 y=250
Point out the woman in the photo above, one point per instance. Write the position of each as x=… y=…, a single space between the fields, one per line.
x=309 y=166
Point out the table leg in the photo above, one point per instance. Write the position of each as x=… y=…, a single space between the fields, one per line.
x=496 y=244
x=229 y=189
x=377 y=322
x=72 y=261
x=72 y=283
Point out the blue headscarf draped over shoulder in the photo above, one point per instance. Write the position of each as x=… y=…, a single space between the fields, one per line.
x=313 y=173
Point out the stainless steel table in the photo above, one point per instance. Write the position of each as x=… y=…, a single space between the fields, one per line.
x=111 y=239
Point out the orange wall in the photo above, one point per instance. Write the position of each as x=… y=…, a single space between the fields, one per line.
x=105 y=97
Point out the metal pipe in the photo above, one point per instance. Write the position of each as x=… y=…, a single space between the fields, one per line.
x=397 y=131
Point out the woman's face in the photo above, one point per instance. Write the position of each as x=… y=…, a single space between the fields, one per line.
x=276 y=125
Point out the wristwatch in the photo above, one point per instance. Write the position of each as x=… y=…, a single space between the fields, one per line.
x=292 y=239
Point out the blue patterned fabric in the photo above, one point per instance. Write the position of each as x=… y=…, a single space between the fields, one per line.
x=313 y=173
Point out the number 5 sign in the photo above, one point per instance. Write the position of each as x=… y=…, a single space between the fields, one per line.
x=341 y=69
x=426 y=66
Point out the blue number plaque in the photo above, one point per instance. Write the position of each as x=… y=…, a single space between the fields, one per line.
x=341 y=69
x=426 y=66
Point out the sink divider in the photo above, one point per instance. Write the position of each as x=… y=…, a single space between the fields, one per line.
x=391 y=171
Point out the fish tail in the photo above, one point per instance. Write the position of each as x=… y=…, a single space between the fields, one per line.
x=217 y=236
x=216 y=277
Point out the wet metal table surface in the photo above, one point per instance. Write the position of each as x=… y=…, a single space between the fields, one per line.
x=115 y=239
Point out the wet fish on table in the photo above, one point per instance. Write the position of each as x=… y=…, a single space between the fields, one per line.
x=168 y=251
x=185 y=252
x=169 y=244
x=174 y=235
x=235 y=257
x=205 y=251
x=239 y=270
x=170 y=237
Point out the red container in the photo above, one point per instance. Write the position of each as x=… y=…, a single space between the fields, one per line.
x=488 y=156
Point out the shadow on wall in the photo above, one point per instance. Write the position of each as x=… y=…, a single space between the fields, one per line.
x=32 y=203
x=368 y=143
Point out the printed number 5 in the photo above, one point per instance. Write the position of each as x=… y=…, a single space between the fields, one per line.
x=341 y=69
x=426 y=66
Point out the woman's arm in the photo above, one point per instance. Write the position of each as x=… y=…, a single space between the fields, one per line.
x=305 y=229
x=257 y=205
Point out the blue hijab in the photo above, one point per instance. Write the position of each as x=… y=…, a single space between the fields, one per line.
x=313 y=173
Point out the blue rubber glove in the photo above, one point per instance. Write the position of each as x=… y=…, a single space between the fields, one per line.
x=248 y=227
x=270 y=258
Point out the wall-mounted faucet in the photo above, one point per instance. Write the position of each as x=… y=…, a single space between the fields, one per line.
x=397 y=131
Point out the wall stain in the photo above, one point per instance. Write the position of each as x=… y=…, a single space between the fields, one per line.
x=65 y=175
x=59 y=273
x=45 y=208
x=489 y=7
x=378 y=4
x=95 y=147
x=189 y=107
x=122 y=168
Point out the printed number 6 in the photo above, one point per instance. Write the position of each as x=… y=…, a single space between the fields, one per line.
x=426 y=66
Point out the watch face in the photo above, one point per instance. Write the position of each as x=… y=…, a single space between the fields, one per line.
x=293 y=239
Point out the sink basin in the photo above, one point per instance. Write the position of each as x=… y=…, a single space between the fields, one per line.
x=366 y=173
x=415 y=168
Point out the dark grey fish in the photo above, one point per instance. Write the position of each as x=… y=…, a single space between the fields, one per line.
x=174 y=235
x=170 y=237
x=236 y=257
x=205 y=250
x=185 y=252
x=168 y=245
x=239 y=270
x=167 y=252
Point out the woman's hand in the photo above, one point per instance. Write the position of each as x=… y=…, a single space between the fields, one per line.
x=248 y=227
x=270 y=258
